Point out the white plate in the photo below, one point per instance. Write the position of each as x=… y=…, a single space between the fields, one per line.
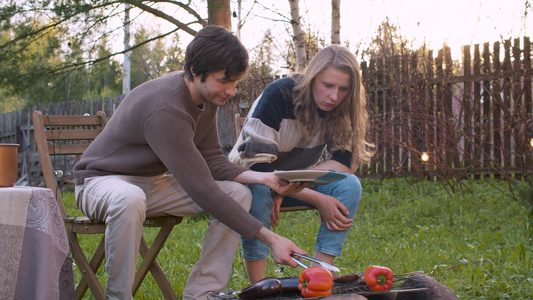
x=316 y=177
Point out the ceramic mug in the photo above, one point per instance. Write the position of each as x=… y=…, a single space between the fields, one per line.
x=8 y=164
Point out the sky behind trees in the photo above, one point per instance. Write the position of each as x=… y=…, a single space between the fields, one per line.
x=456 y=22
x=434 y=22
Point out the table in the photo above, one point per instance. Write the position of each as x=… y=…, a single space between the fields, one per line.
x=35 y=262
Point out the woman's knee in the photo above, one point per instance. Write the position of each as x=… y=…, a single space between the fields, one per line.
x=349 y=192
x=354 y=185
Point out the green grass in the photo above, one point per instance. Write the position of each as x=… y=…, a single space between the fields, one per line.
x=478 y=241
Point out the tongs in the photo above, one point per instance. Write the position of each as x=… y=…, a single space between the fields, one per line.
x=321 y=263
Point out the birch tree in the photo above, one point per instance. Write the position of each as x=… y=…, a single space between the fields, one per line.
x=335 y=22
x=126 y=65
x=298 y=36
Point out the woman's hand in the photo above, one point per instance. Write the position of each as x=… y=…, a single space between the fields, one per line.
x=276 y=208
x=333 y=212
x=281 y=186
x=269 y=179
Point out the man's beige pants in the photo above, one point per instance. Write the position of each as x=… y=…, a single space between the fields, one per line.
x=123 y=202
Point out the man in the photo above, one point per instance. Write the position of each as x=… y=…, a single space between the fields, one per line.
x=160 y=154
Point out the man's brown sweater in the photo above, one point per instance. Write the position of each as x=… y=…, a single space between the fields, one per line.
x=157 y=128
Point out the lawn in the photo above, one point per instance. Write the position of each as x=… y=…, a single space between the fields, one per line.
x=478 y=241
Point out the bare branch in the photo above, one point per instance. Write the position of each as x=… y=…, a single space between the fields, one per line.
x=162 y=15
x=75 y=65
x=187 y=8
x=283 y=17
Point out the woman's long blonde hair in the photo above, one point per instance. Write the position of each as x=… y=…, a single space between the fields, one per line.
x=344 y=125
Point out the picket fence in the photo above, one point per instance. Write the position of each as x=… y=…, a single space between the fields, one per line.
x=473 y=121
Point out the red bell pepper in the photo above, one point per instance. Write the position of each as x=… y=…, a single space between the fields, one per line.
x=378 y=278
x=315 y=282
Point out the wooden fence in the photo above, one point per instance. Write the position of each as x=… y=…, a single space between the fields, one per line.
x=17 y=127
x=472 y=120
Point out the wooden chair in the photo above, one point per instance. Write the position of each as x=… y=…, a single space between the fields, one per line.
x=64 y=136
x=239 y=123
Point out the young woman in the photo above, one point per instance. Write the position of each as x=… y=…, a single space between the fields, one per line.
x=313 y=120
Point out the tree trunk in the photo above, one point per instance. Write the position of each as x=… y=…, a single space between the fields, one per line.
x=126 y=77
x=219 y=13
x=335 y=22
x=239 y=23
x=298 y=38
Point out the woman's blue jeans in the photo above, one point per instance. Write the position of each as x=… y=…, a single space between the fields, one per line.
x=347 y=191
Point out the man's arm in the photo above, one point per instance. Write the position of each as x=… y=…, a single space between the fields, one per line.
x=280 y=247
x=187 y=164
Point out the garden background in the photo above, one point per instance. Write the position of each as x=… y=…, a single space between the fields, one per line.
x=463 y=216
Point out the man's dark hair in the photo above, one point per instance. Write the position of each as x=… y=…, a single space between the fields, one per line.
x=215 y=49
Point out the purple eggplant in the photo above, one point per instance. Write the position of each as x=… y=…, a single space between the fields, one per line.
x=264 y=288
x=269 y=287
x=289 y=285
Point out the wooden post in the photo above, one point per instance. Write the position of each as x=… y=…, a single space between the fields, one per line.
x=506 y=107
x=528 y=109
x=517 y=108
x=486 y=98
x=497 y=102
x=429 y=94
x=467 y=105
x=477 y=151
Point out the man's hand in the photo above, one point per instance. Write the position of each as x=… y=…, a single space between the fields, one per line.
x=280 y=247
